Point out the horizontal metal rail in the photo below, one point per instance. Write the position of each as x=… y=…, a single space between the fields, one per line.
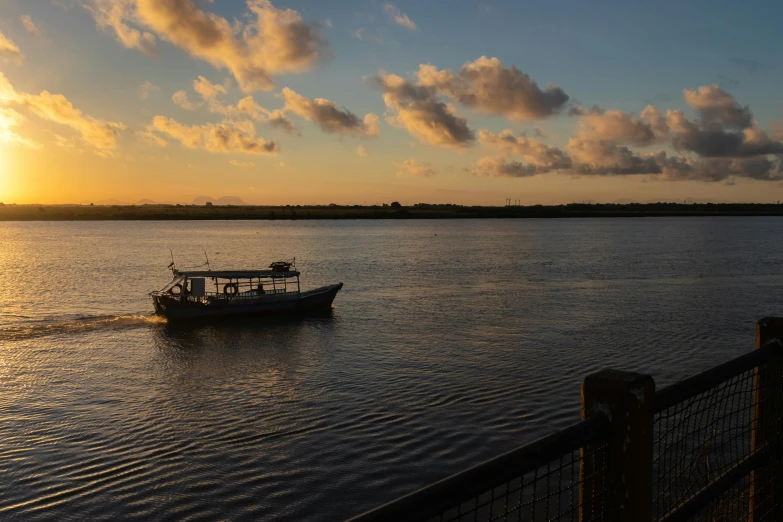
x=246 y=294
x=693 y=505
x=681 y=391
x=452 y=491
x=270 y=296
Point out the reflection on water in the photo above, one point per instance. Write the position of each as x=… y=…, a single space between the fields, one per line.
x=241 y=344
x=240 y=330
x=451 y=342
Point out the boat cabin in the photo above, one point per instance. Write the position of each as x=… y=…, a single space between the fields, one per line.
x=234 y=286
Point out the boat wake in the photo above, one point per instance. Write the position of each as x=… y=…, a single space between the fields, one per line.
x=48 y=328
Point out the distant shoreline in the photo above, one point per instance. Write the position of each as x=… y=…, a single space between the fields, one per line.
x=9 y=212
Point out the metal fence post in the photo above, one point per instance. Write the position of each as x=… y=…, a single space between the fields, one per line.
x=767 y=406
x=627 y=399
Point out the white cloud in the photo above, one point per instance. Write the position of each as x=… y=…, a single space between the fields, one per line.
x=70 y=144
x=648 y=128
x=147 y=88
x=725 y=144
x=223 y=137
x=56 y=108
x=329 y=117
x=242 y=164
x=181 y=99
x=9 y=121
x=30 y=26
x=399 y=17
x=361 y=151
x=417 y=109
x=484 y=85
x=502 y=167
x=246 y=107
x=208 y=90
x=113 y=16
x=150 y=137
x=9 y=50
x=416 y=168
x=272 y=41
x=487 y=86
x=716 y=105
x=536 y=153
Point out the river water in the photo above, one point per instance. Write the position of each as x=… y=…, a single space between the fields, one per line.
x=452 y=341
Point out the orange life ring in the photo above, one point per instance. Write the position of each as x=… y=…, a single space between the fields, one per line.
x=178 y=287
x=231 y=289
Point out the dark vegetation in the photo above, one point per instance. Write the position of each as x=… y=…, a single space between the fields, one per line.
x=393 y=211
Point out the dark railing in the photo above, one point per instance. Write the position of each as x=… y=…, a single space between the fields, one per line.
x=241 y=299
x=706 y=448
x=541 y=480
x=707 y=440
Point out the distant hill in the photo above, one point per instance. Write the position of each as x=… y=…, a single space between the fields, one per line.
x=225 y=200
x=230 y=200
x=203 y=200
x=109 y=202
x=146 y=202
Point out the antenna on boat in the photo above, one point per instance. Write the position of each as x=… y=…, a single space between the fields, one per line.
x=172 y=265
x=207 y=258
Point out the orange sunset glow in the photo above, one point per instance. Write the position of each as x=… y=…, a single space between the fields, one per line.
x=391 y=260
x=109 y=100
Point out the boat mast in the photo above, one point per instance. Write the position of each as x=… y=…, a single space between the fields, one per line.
x=172 y=266
x=298 y=290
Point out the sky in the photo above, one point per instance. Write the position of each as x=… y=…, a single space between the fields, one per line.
x=364 y=102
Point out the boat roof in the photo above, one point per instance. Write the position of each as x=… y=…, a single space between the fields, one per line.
x=237 y=274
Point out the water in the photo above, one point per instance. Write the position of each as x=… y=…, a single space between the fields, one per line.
x=451 y=342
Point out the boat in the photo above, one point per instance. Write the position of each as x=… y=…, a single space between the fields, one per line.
x=220 y=293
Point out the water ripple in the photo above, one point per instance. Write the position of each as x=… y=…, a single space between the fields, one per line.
x=80 y=325
x=441 y=352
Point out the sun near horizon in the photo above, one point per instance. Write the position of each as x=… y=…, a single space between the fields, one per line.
x=359 y=102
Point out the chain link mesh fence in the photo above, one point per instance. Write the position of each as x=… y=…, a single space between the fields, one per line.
x=556 y=478
x=556 y=491
x=704 y=449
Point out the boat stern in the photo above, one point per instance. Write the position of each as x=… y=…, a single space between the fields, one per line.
x=158 y=301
